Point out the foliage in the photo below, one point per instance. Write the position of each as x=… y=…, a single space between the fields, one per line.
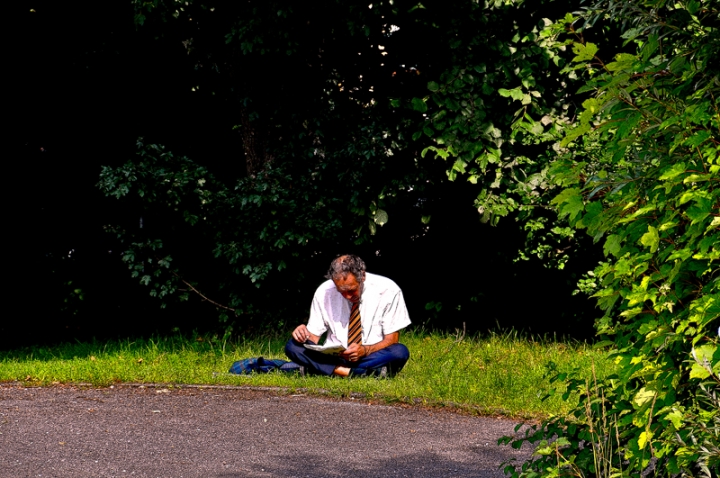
x=498 y=107
x=702 y=422
x=328 y=104
x=324 y=159
x=639 y=171
x=498 y=113
x=247 y=225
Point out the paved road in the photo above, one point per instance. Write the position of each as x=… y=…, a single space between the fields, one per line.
x=223 y=433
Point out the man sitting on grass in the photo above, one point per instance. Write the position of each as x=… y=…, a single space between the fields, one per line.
x=362 y=312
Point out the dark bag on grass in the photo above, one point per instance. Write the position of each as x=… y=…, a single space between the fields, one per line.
x=262 y=365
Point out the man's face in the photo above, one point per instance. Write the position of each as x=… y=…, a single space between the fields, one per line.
x=350 y=287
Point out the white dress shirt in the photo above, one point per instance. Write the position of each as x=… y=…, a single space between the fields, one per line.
x=382 y=311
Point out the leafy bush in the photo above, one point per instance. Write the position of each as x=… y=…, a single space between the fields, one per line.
x=640 y=172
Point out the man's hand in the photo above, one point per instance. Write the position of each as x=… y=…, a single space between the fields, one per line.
x=354 y=353
x=301 y=334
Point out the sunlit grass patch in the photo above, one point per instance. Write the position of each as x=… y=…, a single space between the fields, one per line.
x=493 y=374
x=503 y=373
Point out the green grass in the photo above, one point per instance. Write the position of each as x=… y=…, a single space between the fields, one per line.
x=494 y=374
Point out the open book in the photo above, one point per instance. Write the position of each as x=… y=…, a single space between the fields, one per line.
x=326 y=349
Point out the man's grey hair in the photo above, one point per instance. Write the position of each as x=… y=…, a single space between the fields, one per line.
x=346 y=264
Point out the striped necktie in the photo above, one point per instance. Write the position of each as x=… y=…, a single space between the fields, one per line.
x=354 y=327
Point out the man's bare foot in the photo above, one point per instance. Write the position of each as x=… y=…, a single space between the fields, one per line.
x=341 y=371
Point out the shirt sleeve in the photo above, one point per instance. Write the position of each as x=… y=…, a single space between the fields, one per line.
x=395 y=314
x=316 y=323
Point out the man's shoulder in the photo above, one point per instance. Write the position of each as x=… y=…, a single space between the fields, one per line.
x=380 y=283
x=374 y=283
x=326 y=286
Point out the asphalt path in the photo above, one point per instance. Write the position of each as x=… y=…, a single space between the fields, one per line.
x=210 y=432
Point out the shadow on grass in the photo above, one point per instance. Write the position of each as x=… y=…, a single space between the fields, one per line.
x=195 y=343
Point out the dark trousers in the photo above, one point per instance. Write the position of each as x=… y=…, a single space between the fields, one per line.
x=393 y=356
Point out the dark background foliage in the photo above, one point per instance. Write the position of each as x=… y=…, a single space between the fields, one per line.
x=88 y=83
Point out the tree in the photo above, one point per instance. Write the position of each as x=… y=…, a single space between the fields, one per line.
x=326 y=106
x=639 y=171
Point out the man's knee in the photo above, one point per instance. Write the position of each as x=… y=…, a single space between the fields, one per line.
x=292 y=348
x=400 y=352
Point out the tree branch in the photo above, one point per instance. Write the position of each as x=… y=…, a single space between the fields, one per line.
x=201 y=295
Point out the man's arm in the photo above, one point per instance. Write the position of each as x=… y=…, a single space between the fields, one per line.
x=301 y=334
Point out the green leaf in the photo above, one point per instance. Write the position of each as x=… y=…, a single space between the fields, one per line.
x=373 y=227
x=573 y=207
x=650 y=47
x=696 y=178
x=627 y=125
x=631 y=312
x=644 y=438
x=544 y=450
x=714 y=224
x=693 y=7
x=459 y=166
x=433 y=86
x=613 y=244
x=703 y=366
x=381 y=217
x=571 y=135
x=676 y=418
x=700 y=209
x=419 y=104
x=584 y=52
x=643 y=396
x=650 y=239
x=564 y=195
x=698 y=138
x=592 y=106
x=440 y=152
x=697 y=371
x=673 y=171
x=623 y=61
x=570 y=202
x=687 y=196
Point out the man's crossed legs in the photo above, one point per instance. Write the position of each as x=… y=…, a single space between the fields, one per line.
x=393 y=357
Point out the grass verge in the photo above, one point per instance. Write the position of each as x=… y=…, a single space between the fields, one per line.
x=490 y=375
